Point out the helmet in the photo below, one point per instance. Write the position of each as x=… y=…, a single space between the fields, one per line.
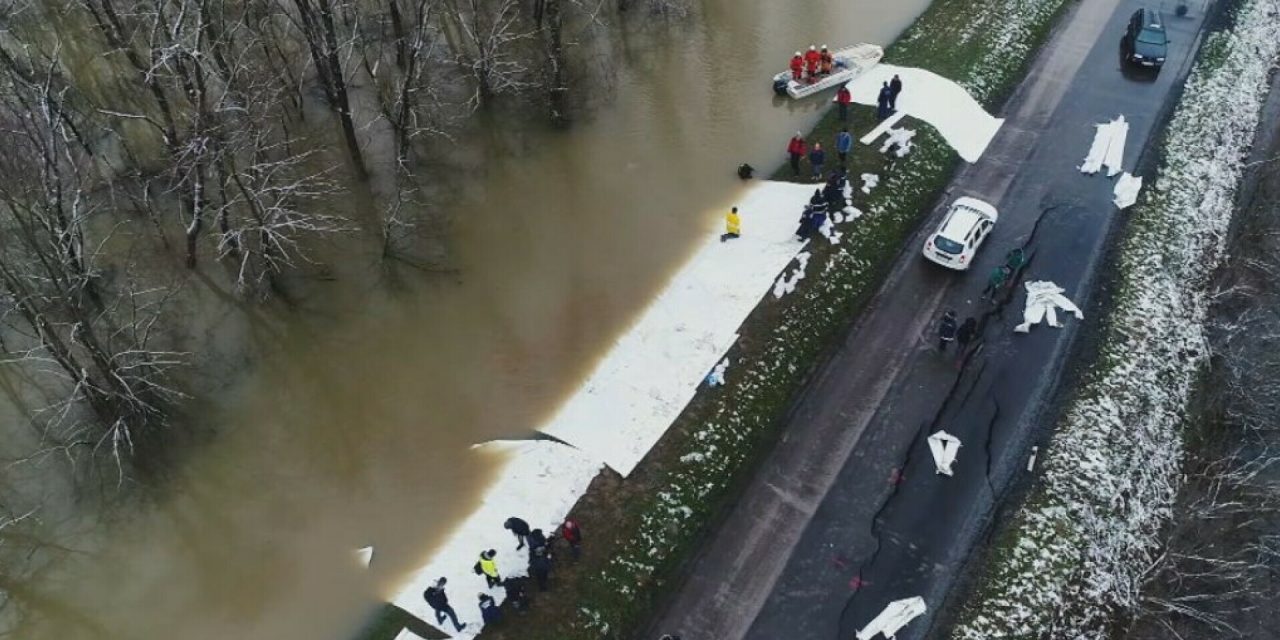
x=812 y=48
x=824 y=47
x=797 y=53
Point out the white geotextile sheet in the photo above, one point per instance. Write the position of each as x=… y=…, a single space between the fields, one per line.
x=651 y=373
x=927 y=96
x=539 y=481
x=1107 y=148
x=1126 y=190
x=894 y=617
x=944 y=447
x=1044 y=298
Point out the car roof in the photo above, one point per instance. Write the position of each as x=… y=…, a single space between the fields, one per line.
x=1151 y=19
x=961 y=220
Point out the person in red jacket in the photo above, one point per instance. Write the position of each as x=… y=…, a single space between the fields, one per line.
x=797 y=67
x=572 y=534
x=843 y=98
x=827 y=61
x=812 y=59
x=796 y=149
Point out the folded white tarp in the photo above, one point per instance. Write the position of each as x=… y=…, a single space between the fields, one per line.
x=1044 y=298
x=1108 y=147
x=893 y=618
x=944 y=448
x=927 y=96
x=1127 y=188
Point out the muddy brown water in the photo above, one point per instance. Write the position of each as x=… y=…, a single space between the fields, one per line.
x=359 y=434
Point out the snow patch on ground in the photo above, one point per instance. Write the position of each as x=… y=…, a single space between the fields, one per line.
x=869 y=182
x=944 y=104
x=1093 y=525
x=787 y=282
x=899 y=141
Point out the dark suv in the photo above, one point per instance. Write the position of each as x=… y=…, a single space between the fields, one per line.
x=1144 y=42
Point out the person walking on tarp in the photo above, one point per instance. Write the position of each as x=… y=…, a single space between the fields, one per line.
x=844 y=144
x=540 y=568
x=843 y=99
x=488 y=567
x=895 y=87
x=882 y=102
x=732 y=225
x=947 y=330
x=489 y=611
x=817 y=211
x=812 y=59
x=439 y=603
x=519 y=528
x=795 y=149
x=817 y=158
x=570 y=530
x=797 y=67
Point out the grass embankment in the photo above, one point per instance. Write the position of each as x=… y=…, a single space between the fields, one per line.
x=1078 y=551
x=641 y=530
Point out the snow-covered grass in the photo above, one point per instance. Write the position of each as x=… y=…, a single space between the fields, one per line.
x=721 y=433
x=1074 y=558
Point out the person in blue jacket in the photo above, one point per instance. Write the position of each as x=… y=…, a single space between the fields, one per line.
x=844 y=144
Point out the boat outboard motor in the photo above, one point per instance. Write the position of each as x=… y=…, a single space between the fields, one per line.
x=780 y=86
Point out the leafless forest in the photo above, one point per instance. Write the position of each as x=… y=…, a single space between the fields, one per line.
x=147 y=143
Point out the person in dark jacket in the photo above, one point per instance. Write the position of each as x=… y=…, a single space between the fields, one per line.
x=833 y=195
x=572 y=534
x=895 y=87
x=817 y=158
x=882 y=102
x=817 y=211
x=519 y=528
x=947 y=330
x=806 y=223
x=489 y=611
x=540 y=568
x=439 y=602
x=795 y=149
x=537 y=540
x=516 y=594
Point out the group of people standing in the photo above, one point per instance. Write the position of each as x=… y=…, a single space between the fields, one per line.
x=887 y=101
x=812 y=64
x=797 y=149
x=540 y=565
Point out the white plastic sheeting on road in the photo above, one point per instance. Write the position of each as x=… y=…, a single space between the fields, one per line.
x=539 y=481
x=651 y=373
x=893 y=618
x=944 y=448
x=927 y=96
x=1107 y=148
x=1044 y=298
x=1127 y=188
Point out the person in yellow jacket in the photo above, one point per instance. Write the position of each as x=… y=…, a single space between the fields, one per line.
x=732 y=225
x=489 y=567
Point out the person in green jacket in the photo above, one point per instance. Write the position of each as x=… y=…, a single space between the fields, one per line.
x=489 y=567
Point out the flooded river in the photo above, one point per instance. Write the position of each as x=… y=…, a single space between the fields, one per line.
x=358 y=434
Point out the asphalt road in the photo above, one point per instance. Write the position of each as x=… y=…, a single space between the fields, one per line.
x=847 y=513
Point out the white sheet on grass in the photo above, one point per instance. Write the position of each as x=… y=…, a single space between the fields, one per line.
x=927 y=96
x=1107 y=148
x=1044 y=298
x=1126 y=191
x=652 y=372
x=893 y=618
x=944 y=448
x=539 y=482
